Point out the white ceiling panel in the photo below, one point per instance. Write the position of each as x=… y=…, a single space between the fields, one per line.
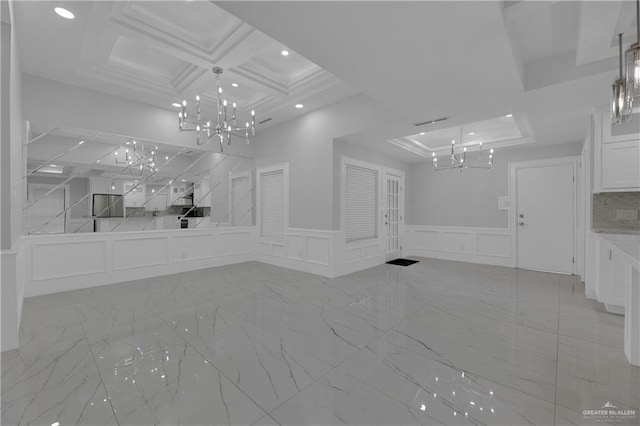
x=160 y=52
x=137 y=57
x=200 y=23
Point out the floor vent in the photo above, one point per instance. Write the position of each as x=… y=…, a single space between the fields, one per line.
x=402 y=262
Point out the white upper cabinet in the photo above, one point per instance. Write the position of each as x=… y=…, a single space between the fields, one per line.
x=616 y=155
x=621 y=165
x=620 y=132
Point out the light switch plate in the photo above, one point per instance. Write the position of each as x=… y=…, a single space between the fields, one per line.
x=627 y=214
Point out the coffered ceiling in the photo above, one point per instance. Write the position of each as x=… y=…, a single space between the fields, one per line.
x=549 y=63
x=160 y=52
x=498 y=132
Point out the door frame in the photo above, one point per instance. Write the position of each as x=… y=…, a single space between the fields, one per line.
x=245 y=175
x=50 y=186
x=400 y=175
x=574 y=161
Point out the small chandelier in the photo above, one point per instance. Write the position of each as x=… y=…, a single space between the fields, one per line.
x=223 y=127
x=620 y=100
x=632 y=55
x=138 y=159
x=459 y=160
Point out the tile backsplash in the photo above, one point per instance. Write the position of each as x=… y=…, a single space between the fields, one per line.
x=616 y=211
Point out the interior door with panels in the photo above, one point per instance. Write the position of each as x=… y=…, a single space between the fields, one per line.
x=545 y=227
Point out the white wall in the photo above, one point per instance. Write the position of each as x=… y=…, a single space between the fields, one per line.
x=306 y=143
x=470 y=199
x=60 y=103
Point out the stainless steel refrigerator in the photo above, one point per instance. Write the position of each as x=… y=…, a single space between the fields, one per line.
x=108 y=205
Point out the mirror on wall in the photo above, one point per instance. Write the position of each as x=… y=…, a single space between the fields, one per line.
x=80 y=180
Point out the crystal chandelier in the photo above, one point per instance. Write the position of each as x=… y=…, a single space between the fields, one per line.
x=459 y=160
x=620 y=100
x=138 y=159
x=633 y=64
x=223 y=127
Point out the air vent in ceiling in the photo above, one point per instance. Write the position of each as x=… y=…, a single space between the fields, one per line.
x=264 y=121
x=437 y=120
x=188 y=152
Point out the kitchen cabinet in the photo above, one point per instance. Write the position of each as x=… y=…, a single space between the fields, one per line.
x=621 y=165
x=134 y=194
x=616 y=155
x=617 y=283
x=612 y=278
x=201 y=195
x=179 y=192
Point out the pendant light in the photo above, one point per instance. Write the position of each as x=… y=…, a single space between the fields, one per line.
x=620 y=102
x=633 y=64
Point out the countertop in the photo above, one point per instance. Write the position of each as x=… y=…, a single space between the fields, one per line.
x=627 y=243
x=616 y=231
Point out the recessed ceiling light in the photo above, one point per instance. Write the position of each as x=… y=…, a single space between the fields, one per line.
x=422 y=133
x=234 y=84
x=176 y=104
x=285 y=53
x=299 y=106
x=471 y=133
x=509 y=115
x=66 y=14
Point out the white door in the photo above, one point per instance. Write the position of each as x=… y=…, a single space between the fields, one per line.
x=545 y=216
x=47 y=215
x=240 y=200
x=393 y=214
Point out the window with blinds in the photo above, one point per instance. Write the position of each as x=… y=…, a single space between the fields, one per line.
x=361 y=200
x=272 y=205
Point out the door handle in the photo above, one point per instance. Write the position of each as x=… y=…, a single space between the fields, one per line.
x=521 y=224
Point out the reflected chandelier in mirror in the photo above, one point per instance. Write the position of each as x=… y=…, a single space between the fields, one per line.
x=79 y=180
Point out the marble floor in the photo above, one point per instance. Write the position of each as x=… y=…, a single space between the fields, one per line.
x=437 y=342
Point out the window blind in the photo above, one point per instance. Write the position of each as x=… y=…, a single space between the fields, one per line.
x=361 y=203
x=272 y=205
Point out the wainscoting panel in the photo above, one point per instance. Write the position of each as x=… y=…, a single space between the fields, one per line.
x=318 y=250
x=490 y=246
x=456 y=242
x=68 y=258
x=131 y=253
x=193 y=247
x=352 y=257
x=423 y=239
x=493 y=244
x=54 y=263
x=235 y=241
x=296 y=246
x=307 y=250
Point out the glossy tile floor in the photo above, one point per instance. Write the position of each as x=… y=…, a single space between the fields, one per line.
x=437 y=342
